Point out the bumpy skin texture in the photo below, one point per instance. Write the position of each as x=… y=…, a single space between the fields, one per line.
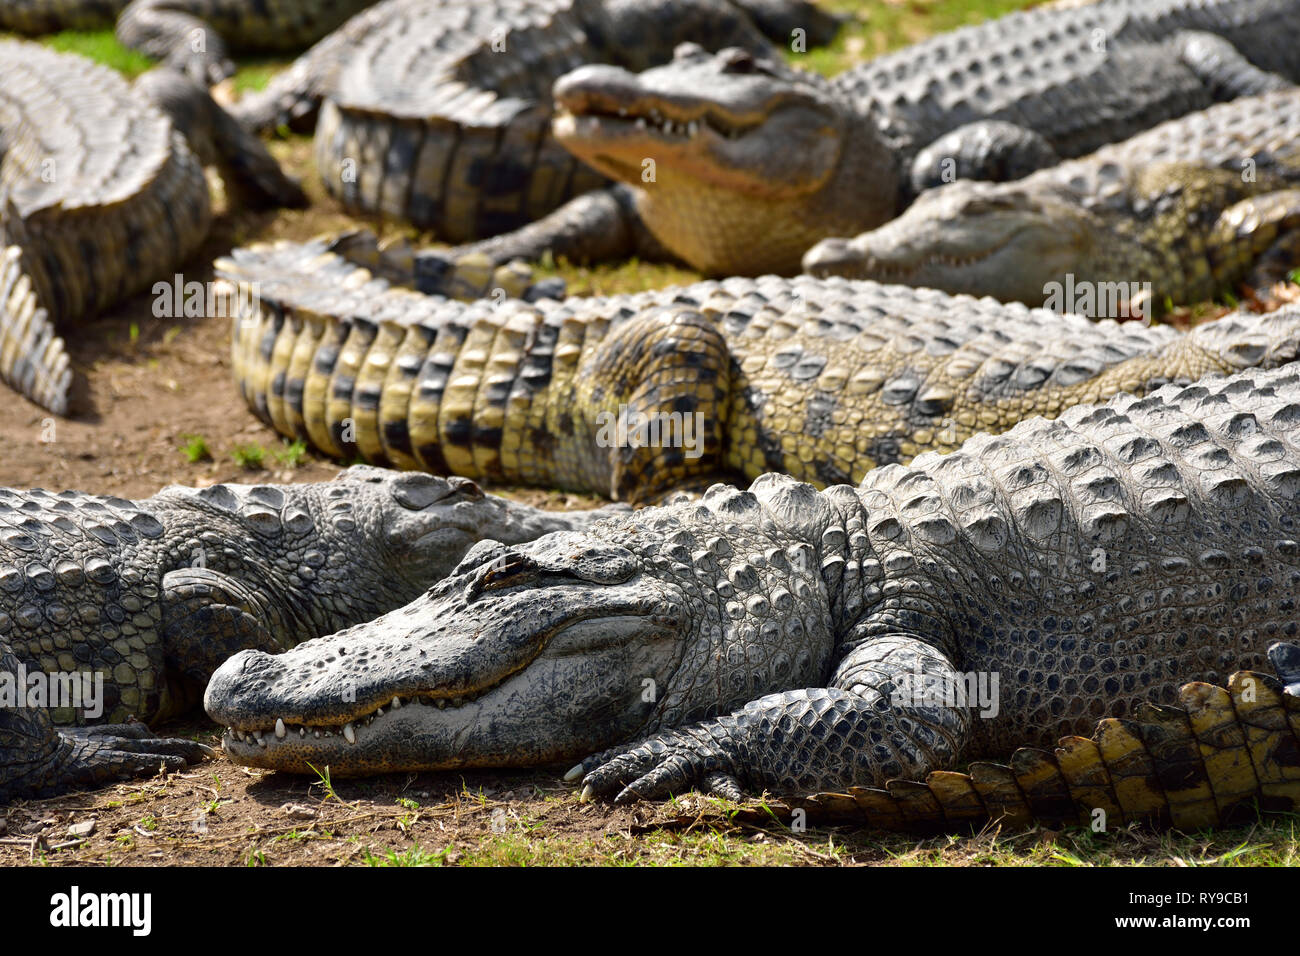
x=166 y=29
x=1192 y=207
x=747 y=147
x=101 y=192
x=797 y=641
x=822 y=379
x=153 y=595
x=1212 y=758
x=194 y=36
x=439 y=112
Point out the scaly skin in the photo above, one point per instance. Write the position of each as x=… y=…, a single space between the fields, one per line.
x=168 y=30
x=151 y=596
x=439 y=112
x=793 y=641
x=822 y=379
x=1195 y=206
x=756 y=161
x=101 y=192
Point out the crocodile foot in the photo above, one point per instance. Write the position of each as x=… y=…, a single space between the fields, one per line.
x=119 y=751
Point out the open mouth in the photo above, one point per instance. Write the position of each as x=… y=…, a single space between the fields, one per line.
x=621 y=120
x=902 y=269
x=358 y=728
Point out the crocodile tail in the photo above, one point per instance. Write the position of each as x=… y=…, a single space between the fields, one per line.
x=1211 y=760
x=32 y=357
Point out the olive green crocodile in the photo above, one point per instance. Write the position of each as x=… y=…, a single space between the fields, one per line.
x=634 y=395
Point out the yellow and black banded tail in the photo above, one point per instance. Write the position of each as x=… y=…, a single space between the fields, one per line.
x=1214 y=759
x=32 y=358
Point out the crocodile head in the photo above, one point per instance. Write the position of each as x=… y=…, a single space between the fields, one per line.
x=424 y=525
x=535 y=655
x=972 y=237
x=541 y=652
x=742 y=147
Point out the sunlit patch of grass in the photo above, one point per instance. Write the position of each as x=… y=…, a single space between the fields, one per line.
x=252 y=75
x=102 y=47
x=880 y=26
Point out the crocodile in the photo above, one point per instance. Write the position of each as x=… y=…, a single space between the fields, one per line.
x=193 y=36
x=135 y=603
x=737 y=163
x=102 y=191
x=1175 y=215
x=439 y=112
x=633 y=396
x=797 y=641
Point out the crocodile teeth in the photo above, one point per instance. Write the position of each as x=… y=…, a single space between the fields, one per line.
x=316 y=734
x=640 y=122
x=302 y=731
x=279 y=728
x=397 y=702
x=442 y=704
x=692 y=127
x=261 y=741
x=349 y=734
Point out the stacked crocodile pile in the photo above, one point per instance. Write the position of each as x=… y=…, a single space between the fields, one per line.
x=970 y=524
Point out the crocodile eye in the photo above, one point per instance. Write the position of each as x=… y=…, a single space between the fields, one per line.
x=736 y=60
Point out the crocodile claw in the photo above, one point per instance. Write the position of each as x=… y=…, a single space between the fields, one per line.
x=1286 y=662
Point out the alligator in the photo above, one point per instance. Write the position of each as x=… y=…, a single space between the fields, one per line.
x=633 y=396
x=102 y=191
x=131 y=605
x=1176 y=215
x=754 y=161
x=439 y=112
x=193 y=36
x=793 y=641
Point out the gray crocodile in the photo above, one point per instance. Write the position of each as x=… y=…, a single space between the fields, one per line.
x=1177 y=215
x=796 y=641
x=102 y=191
x=193 y=36
x=439 y=112
x=129 y=606
x=754 y=161
x=633 y=396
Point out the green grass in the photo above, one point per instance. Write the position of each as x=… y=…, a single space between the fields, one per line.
x=290 y=454
x=196 y=449
x=102 y=47
x=249 y=457
x=883 y=25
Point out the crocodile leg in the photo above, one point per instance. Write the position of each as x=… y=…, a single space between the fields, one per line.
x=207 y=618
x=249 y=171
x=43 y=759
x=1277 y=217
x=989 y=149
x=1205 y=762
x=1223 y=68
x=596 y=226
x=884 y=715
x=179 y=39
x=672 y=371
